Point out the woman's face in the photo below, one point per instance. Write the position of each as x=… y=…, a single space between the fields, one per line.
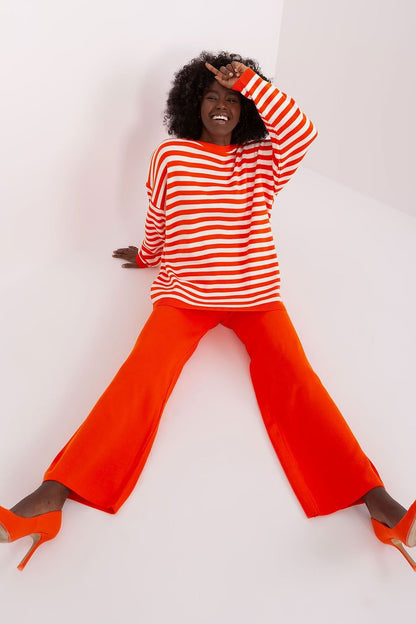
x=220 y=113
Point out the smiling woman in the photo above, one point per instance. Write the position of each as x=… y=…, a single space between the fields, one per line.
x=220 y=113
x=238 y=140
x=191 y=82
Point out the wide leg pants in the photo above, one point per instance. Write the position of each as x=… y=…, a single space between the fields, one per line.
x=323 y=461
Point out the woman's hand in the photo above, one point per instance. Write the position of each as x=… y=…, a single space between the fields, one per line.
x=129 y=254
x=227 y=75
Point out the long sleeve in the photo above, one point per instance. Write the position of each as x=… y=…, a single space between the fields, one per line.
x=150 y=252
x=208 y=222
x=290 y=131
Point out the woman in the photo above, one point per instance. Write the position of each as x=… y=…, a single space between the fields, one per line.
x=211 y=189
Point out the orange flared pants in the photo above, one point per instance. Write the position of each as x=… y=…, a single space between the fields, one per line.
x=323 y=461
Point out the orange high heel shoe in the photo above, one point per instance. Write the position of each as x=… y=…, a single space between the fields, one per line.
x=403 y=534
x=41 y=529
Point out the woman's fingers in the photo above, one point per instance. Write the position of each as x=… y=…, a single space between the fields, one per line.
x=233 y=68
x=228 y=71
x=124 y=251
x=227 y=74
x=237 y=68
x=127 y=253
x=212 y=69
x=222 y=72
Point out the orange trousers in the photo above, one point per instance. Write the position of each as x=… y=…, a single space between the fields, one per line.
x=323 y=461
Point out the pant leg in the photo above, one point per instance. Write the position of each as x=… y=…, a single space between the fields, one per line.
x=323 y=461
x=103 y=460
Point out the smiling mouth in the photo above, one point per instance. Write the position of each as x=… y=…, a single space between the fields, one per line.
x=220 y=118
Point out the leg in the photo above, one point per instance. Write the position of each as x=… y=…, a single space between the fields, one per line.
x=383 y=507
x=101 y=463
x=323 y=461
x=50 y=496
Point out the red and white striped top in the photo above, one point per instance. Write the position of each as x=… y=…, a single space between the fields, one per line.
x=208 y=220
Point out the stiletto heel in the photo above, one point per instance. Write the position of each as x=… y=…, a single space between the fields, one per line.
x=403 y=534
x=41 y=528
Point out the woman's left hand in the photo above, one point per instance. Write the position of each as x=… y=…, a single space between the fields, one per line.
x=227 y=75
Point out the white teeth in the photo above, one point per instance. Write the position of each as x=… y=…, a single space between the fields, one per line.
x=223 y=117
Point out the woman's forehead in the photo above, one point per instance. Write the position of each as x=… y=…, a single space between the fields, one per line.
x=217 y=88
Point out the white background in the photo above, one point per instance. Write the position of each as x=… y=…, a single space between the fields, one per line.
x=212 y=532
x=353 y=63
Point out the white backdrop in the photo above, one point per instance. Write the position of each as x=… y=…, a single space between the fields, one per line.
x=352 y=63
x=82 y=90
x=212 y=532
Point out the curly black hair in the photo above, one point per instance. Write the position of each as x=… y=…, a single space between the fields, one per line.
x=182 y=115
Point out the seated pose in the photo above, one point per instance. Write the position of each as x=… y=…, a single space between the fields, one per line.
x=238 y=140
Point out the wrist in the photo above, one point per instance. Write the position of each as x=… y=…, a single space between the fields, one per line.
x=244 y=79
x=140 y=262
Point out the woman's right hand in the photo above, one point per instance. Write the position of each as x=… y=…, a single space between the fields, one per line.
x=129 y=254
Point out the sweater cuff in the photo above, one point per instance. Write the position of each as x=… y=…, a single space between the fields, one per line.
x=140 y=262
x=244 y=79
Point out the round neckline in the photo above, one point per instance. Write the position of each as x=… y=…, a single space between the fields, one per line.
x=216 y=149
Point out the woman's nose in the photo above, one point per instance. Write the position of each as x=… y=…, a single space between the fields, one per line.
x=221 y=104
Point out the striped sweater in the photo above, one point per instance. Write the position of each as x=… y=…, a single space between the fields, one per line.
x=208 y=221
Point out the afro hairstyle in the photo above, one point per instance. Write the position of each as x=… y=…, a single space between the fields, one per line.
x=183 y=107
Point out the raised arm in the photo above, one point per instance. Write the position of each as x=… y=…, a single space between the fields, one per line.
x=290 y=130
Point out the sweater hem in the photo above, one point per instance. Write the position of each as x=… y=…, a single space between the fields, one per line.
x=258 y=307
